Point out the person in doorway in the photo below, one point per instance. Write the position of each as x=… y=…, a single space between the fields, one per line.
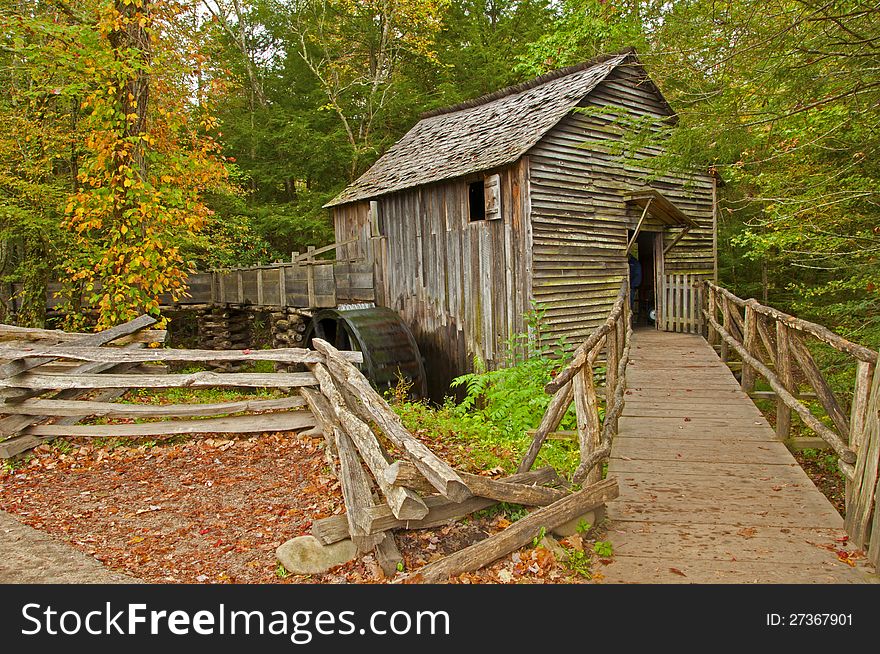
x=635 y=279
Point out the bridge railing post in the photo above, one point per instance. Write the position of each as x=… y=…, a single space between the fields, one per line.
x=586 y=407
x=784 y=374
x=862 y=516
x=726 y=321
x=712 y=309
x=749 y=342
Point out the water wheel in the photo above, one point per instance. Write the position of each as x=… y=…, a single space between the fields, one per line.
x=389 y=349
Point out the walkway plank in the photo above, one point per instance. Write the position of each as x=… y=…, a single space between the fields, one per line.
x=707 y=492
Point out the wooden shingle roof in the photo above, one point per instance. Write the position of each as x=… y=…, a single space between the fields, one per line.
x=480 y=134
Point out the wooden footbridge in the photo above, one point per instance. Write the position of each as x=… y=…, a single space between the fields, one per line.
x=699 y=487
x=708 y=494
x=708 y=490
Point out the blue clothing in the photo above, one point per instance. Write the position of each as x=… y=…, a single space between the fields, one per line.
x=635 y=272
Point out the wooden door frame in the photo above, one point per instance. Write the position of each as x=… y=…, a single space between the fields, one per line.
x=659 y=290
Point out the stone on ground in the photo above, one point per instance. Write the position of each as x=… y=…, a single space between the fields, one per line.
x=306 y=555
x=591 y=518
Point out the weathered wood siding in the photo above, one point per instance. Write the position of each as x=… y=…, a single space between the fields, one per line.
x=461 y=286
x=580 y=220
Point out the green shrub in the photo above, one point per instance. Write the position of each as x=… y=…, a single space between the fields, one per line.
x=488 y=428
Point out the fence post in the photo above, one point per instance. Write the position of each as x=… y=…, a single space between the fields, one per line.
x=859 y=412
x=783 y=372
x=862 y=492
x=711 y=309
x=749 y=342
x=859 y=415
x=726 y=322
x=611 y=358
x=587 y=410
x=310 y=277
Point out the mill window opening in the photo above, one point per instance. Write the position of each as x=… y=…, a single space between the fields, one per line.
x=477 y=200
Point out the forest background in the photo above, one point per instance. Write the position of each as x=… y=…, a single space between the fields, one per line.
x=140 y=139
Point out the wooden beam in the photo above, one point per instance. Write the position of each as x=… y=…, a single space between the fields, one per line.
x=356 y=492
x=586 y=406
x=859 y=412
x=772 y=395
x=202 y=379
x=312 y=252
x=760 y=322
x=13 y=424
x=814 y=376
x=867 y=470
x=554 y=414
x=638 y=226
x=822 y=333
x=320 y=407
x=438 y=472
x=675 y=241
x=440 y=510
x=830 y=437
x=403 y=473
x=786 y=380
x=249 y=424
x=405 y=504
x=289 y=355
x=750 y=345
x=518 y=534
x=84 y=408
x=22 y=361
x=388 y=555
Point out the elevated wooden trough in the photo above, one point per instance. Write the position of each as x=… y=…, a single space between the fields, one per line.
x=306 y=282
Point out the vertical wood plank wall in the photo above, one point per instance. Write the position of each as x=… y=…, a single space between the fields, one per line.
x=461 y=287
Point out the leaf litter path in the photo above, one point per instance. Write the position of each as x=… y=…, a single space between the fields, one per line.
x=204 y=510
x=707 y=492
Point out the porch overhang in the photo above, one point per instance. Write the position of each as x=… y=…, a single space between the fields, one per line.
x=660 y=208
x=663 y=210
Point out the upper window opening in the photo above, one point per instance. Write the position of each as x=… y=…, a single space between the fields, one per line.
x=477 y=200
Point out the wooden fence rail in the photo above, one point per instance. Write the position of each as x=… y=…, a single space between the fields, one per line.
x=389 y=479
x=771 y=344
x=574 y=383
x=51 y=380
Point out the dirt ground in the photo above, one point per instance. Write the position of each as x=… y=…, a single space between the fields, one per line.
x=211 y=510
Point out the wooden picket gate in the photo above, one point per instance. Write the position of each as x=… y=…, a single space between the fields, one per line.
x=680 y=308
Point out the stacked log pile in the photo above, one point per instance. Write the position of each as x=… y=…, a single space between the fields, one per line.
x=288 y=328
x=222 y=328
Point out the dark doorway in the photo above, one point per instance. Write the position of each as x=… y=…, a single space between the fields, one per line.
x=644 y=295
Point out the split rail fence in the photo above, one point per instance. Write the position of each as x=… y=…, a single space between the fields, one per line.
x=51 y=381
x=773 y=344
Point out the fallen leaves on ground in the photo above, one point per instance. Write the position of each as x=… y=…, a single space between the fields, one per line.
x=213 y=510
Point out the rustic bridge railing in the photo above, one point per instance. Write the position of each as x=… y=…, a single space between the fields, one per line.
x=771 y=343
x=575 y=383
